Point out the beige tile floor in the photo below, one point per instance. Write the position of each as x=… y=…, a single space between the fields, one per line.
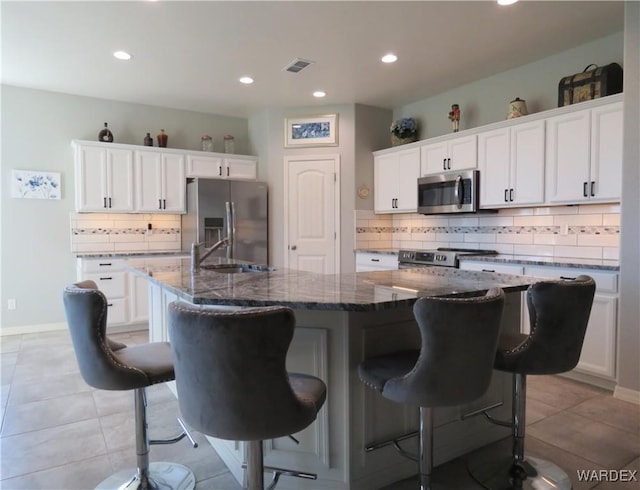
x=58 y=433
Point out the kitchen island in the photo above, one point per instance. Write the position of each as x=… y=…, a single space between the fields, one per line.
x=341 y=320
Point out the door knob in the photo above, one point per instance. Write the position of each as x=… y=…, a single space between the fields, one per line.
x=294 y=247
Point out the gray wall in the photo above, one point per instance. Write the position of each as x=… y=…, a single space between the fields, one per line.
x=485 y=101
x=37 y=128
x=629 y=331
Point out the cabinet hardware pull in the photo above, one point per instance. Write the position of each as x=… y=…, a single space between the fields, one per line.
x=106 y=278
x=220 y=170
x=506 y=199
x=227 y=171
x=109 y=304
x=488 y=270
x=584 y=189
x=444 y=164
x=164 y=204
x=568 y=278
x=159 y=203
x=593 y=184
x=375 y=260
x=448 y=163
x=294 y=247
x=105 y=264
x=511 y=195
x=109 y=202
x=105 y=202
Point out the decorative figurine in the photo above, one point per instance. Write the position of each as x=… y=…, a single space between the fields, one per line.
x=454 y=115
x=105 y=135
x=517 y=108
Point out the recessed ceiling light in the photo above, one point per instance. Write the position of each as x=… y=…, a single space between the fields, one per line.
x=122 y=55
x=389 y=58
x=319 y=93
x=506 y=2
x=246 y=80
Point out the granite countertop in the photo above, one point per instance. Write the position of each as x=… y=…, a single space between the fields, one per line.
x=363 y=291
x=124 y=255
x=570 y=262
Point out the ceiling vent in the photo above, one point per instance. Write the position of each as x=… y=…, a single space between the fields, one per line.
x=297 y=65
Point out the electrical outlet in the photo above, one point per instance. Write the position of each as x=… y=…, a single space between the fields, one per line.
x=11 y=304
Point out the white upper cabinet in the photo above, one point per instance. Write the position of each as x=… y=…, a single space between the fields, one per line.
x=221 y=167
x=458 y=153
x=160 y=182
x=104 y=179
x=511 y=164
x=584 y=155
x=396 y=181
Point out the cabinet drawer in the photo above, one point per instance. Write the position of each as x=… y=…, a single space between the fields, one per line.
x=116 y=311
x=100 y=265
x=606 y=282
x=112 y=284
x=373 y=261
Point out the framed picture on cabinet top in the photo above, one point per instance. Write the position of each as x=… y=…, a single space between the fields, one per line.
x=311 y=131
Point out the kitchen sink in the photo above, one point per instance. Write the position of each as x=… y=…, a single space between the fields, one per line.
x=237 y=268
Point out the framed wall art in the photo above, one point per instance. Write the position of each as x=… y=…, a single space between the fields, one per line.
x=311 y=131
x=34 y=184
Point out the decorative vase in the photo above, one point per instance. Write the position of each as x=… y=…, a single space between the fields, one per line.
x=397 y=141
x=148 y=140
x=105 y=135
x=162 y=139
x=517 y=108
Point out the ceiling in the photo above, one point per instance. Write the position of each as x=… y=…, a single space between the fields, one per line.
x=189 y=55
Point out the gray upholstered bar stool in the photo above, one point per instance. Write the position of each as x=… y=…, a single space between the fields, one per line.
x=232 y=382
x=109 y=365
x=559 y=312
x=453 y=365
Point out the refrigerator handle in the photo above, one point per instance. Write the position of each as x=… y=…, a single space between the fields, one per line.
x=230 y=228
x=232 y=246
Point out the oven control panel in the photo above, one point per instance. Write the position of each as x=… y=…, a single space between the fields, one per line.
x=427 y=258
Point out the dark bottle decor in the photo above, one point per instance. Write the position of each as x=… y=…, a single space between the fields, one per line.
x=148 y=140
x=162 y=139
x=403 y=131
x=105 y=135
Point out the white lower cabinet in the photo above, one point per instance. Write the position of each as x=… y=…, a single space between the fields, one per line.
x=369 y=261
x=111 y=278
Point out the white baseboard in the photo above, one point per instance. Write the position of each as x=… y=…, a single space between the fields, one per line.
x=23 y=329
x=627 y=395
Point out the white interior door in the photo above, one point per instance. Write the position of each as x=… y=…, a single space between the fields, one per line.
x=312 y=201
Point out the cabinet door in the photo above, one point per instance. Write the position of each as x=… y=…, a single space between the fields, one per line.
x=120 y=180
x=236 y=168
x=433 y=158
x=173 y=183
x=204 y=166
x=91 y=179
x=568 y=155
x=148 y=173
x=493 y=162
x=138 y=299
x=606 y=153
x=598 y=350
x=385 y=168
x=462 y=153
x=407 y=172
x=527 y=164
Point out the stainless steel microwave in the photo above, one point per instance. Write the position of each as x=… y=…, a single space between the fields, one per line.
x=450 y=192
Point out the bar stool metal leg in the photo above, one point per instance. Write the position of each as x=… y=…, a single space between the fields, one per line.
x=255 y=466
x=515 y=471
x=426 y=447
x=148 y=476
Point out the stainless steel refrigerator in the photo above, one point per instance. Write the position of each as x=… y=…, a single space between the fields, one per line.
x=219 y=208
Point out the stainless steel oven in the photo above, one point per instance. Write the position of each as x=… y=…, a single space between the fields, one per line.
x=450 y=192
x=443 y=257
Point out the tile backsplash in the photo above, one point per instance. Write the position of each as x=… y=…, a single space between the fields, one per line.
x=584 y=231
x=98 y=232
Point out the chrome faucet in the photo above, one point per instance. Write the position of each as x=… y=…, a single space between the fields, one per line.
x=197 y=258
